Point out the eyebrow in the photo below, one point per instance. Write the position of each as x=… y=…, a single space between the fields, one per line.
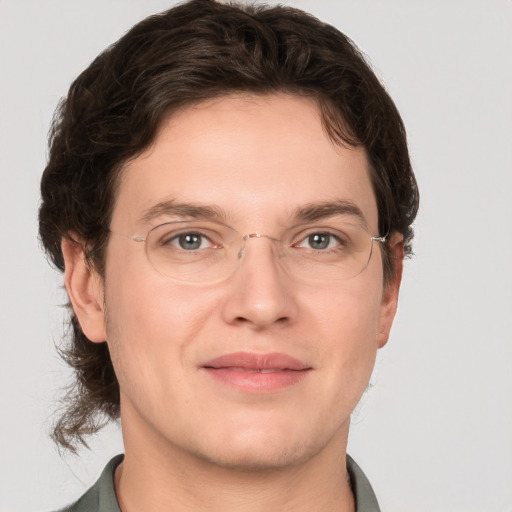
x=172 y=208
x=310 y=212
x=326 y=209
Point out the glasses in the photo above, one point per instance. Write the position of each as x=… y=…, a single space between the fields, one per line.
x=206 y=252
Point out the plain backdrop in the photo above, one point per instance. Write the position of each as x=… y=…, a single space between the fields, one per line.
x=435 y=431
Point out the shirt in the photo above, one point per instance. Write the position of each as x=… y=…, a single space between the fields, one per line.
x=101 y=497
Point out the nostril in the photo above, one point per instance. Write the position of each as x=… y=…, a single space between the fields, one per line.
x=260 y=322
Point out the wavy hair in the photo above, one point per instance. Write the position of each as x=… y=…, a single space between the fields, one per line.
x=195 y=51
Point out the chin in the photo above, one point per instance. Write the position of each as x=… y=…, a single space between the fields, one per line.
x=268 y=450
x=257 y=459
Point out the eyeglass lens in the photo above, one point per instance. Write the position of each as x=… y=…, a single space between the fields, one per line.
x=207 y=252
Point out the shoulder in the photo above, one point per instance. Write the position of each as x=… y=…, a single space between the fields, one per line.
x=365 y=498
x=101 y=497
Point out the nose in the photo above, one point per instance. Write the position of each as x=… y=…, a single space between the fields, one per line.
x=260 y=293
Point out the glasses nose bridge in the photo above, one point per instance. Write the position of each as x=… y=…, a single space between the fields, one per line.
x=253 y=235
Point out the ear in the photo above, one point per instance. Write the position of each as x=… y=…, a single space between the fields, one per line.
x=85 y=290
x=389 y=302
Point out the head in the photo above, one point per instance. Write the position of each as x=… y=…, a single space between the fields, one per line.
x=181 y=68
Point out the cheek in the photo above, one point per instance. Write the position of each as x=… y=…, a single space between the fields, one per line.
x=142 y=304
x=348 y=314
x=150 y=324
x=348 y=325
x=151 y=312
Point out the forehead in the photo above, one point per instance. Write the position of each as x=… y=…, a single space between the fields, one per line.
x=254 y=158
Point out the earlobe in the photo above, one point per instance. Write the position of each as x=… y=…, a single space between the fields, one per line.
x=85 y=291
x=391 y=290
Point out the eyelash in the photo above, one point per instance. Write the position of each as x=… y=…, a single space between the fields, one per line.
x=168 y=240
x=174 y=240
x=330 y=236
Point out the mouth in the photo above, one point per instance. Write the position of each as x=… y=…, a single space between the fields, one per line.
x=257 y=373
x=260 y=370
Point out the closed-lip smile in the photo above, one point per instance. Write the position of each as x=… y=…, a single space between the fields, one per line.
x=257 y=373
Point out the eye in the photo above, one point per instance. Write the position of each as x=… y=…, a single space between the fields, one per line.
x=319 y=241
x=190 y=241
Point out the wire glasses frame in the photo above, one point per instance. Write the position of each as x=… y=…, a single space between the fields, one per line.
x=207 y=252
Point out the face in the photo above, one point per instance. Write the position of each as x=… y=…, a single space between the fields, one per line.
x=188 y=356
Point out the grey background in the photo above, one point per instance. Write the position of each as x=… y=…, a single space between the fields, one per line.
x=435 y=432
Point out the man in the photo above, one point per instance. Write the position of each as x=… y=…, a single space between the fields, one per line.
x=230 y=196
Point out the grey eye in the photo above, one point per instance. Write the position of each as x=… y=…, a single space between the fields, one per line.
x=189 y=241
x=320 y=241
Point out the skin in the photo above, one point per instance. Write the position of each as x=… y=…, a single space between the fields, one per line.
x=191 y=441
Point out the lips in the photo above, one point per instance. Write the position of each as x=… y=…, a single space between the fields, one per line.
x=260 y=373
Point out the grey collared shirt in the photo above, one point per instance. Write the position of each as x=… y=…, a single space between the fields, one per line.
x=101 y=497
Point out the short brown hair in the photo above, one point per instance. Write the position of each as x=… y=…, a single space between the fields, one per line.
x=195 y=51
